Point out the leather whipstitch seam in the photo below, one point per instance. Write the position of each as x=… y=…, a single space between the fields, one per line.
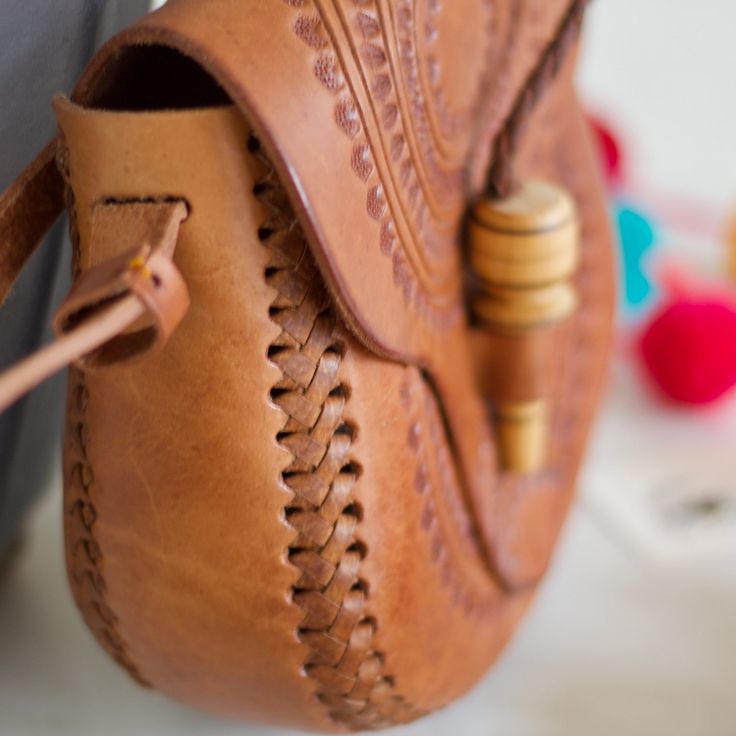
x=85 y=555
x=349 y=672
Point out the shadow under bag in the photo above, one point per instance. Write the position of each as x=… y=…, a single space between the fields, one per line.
x=339 y=322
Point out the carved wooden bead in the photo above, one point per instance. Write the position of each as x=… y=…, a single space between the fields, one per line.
x=523 y=250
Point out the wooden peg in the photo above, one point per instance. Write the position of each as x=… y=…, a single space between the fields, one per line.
x=523 y=250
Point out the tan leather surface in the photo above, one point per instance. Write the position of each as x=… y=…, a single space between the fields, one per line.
x=268 y=518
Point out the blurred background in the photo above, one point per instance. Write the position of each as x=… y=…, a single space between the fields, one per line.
x=634 y=630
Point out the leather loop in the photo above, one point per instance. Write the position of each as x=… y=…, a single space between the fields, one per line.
x=150 y=276
x=145 y=270
x=121 y=307
x=164 y=294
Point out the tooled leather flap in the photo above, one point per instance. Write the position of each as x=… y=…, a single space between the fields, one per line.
x=378 y=115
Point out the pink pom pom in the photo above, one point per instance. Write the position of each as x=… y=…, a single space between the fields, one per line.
x=689 y=350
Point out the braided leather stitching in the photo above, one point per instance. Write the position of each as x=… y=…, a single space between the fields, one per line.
x=349 y=672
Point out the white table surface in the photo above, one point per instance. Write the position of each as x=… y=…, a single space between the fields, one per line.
x=616 y=644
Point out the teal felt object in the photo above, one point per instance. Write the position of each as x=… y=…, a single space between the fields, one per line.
x=637 y=237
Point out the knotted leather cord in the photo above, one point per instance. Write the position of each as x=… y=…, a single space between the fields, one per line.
x=500 y=179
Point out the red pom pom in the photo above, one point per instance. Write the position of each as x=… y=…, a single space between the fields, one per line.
x=689 y=349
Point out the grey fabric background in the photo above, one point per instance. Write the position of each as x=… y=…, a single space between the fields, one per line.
x=44 y=45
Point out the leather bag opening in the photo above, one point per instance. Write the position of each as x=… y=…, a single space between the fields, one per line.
x=152 y=77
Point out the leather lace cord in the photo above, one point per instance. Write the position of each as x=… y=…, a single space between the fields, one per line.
x=28 y=373
x=500 y=179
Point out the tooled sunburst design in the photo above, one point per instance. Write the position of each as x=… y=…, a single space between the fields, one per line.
x=373 y=55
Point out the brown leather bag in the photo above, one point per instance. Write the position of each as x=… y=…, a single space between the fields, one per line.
x=284 y=498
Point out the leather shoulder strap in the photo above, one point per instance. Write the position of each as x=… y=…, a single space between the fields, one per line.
x=28 y=208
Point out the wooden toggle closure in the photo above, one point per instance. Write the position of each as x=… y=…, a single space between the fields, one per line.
x=523 y=249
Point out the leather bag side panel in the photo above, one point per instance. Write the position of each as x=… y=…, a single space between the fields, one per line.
x=174 y=508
